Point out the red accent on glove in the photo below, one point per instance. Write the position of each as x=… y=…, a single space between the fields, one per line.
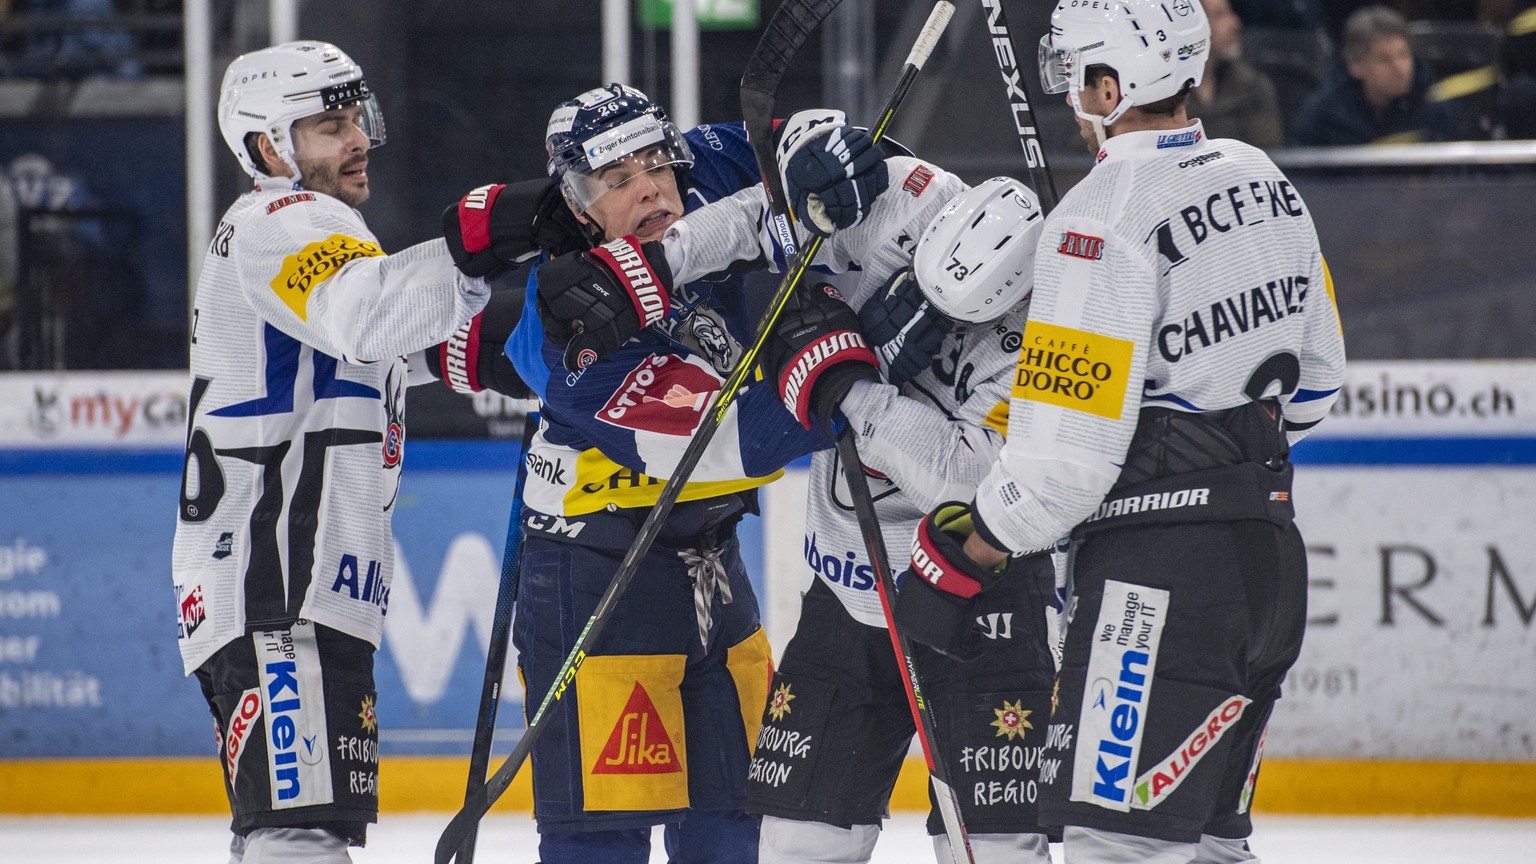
x=624 y=259
x=459 y=358
x=930 y=563
x=798 y=380
x=475 y=217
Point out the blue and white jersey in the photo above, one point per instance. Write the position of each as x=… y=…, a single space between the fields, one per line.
x=296 y=433
x=612 y=431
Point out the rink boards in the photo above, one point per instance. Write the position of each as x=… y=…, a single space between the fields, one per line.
x=1415 y=691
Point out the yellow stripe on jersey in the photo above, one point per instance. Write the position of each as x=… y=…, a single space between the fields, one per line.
x=1328 y=283
x=314 y=264
x=997 y=419
x=600 y=481
x=1073 y=369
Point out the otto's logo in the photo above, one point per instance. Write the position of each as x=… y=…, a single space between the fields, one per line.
x=1081 y=246
x=917 y=181
x=664 y=394
x=639 y=743
x=314 y=264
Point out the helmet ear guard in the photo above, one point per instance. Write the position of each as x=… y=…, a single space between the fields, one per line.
x=976 y=259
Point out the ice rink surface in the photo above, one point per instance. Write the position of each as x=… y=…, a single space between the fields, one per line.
x=512 y=839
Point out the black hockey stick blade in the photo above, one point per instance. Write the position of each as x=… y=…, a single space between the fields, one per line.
x=501 y=633
x=885 y=585
x=1020 y=107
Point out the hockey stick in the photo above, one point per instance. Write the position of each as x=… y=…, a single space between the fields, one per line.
x=922 y=712
x=501 y=635
x=1006 y=49
x=788 y=29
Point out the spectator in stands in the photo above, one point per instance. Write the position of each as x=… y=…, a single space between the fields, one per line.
x=1378 y=94
x=1235 y=100
x=1517 y=101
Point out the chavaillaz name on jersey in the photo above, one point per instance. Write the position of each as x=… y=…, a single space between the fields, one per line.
x=1233 y=315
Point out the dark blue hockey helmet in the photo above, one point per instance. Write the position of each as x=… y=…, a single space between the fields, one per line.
x=609 y=135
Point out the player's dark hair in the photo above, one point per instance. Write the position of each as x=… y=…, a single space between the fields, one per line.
x=1167 y=107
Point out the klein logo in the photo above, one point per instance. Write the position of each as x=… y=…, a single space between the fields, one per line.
x=1083 y=246
x=917 y=181
x=639 y=743
x=282 y=729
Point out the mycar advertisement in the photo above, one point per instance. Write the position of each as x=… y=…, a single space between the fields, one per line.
x=1415 y=498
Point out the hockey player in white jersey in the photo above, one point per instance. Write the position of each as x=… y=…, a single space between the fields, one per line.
x=1182 y=335
x=283 y=551
x=943 y=277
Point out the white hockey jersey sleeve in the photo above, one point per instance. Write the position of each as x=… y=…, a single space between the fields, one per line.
x=740 y=228
x=310 y=266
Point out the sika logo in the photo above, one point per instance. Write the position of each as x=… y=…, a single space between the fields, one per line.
x=639 y=743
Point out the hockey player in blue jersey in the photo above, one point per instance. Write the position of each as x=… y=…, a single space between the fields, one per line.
x=668 y=701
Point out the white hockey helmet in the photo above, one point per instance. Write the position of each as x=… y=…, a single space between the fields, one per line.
x=266 y=91
x=1154 y=46
x=976 y=259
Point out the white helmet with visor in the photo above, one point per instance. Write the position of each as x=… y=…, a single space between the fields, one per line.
x=266 y=91
x=1156 y=47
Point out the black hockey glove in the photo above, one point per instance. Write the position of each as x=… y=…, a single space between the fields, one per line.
x=816 y=352
x=906 y=330
x=832 y=171
x=595 y=301
x=474 y=358
x=935 y=603
x=502 y=224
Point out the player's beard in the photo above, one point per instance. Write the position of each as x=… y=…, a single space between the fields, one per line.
x=324 y=176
